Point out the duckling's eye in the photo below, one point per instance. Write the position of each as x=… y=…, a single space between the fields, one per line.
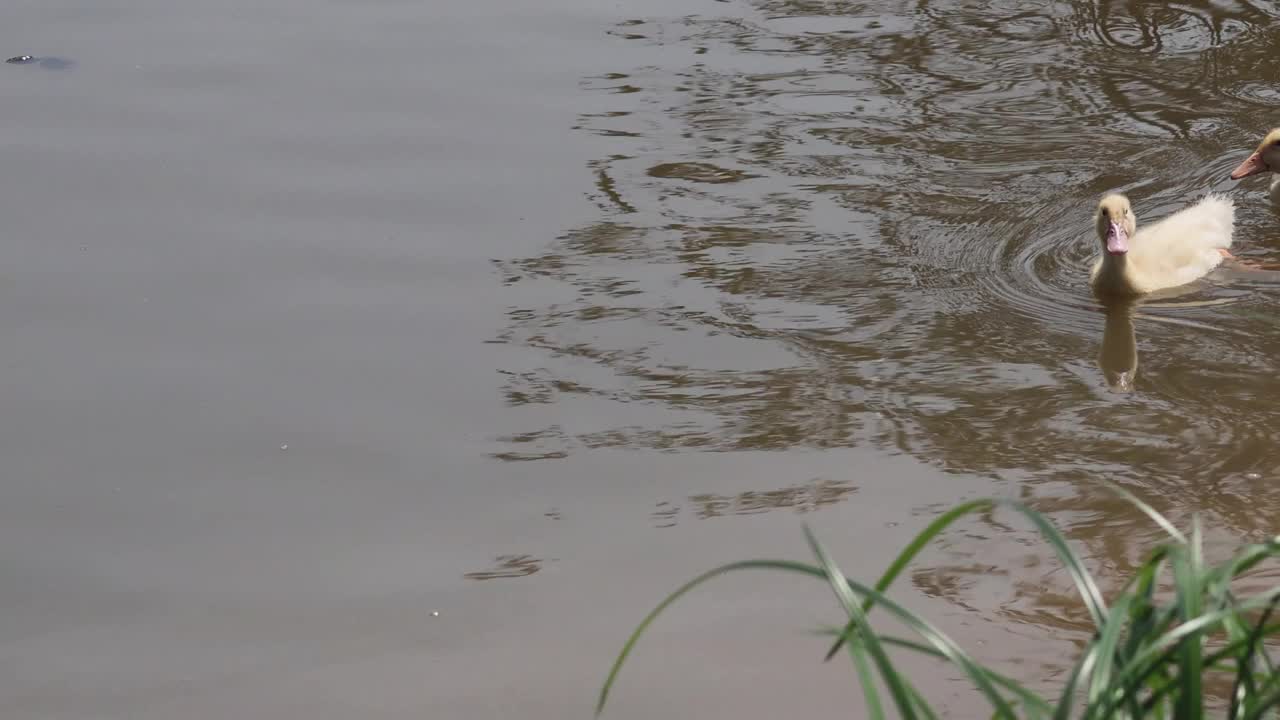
x=1276 y=144
x=1105 y=212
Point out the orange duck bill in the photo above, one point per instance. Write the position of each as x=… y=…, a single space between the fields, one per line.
x=1252 y=165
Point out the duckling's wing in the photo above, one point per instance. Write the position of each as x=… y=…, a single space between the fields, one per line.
x=1206 y=224
x=1184 y=246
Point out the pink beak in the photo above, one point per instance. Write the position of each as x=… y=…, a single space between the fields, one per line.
x=1117 y=240
x=1251 y=166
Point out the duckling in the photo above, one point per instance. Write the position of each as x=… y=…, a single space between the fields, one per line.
x=1174 y=251
x=1265 y=159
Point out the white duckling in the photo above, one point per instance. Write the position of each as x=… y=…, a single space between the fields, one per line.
x=1174 y=251
x=1265 y=159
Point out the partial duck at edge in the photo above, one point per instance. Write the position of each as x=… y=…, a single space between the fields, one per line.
x=1266 y=158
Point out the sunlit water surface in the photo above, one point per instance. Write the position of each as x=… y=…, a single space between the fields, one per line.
x=384 y=360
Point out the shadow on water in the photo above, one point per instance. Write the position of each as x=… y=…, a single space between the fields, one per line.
x=832 y=224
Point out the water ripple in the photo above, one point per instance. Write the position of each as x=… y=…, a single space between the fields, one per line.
x=840 y=223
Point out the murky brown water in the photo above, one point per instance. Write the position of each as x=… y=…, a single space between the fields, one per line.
x=382 y=360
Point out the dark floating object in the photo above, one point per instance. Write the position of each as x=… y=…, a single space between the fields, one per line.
x=509 y=566
x=698 y=172
x=49 y=63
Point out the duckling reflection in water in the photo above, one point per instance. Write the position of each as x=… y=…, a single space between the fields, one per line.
x=1118 y=357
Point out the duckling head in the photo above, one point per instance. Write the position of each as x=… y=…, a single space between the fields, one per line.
x=1115 y=222
x=1265 y=159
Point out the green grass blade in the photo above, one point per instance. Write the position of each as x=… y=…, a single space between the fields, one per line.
x=1067 y=698
x=945 y=645
x=1268 y=688
x=1248 y=558
x=1036 y=705
x=1146 y=618
x=1102 y=652
x=953 y=653
x=1216 y=658
x=921 y=703
x=1149 y=511
x=870 y=694
x=1147 y=659
x=892 y=679
x=1144 y=665
x=1187 y=572
x=1245 y=688
x=784 y=565
x=1166 y=647
x=1265 y=704
x=945 y=648
x=1159 y=702
x=904 y=558
x=1084 y=582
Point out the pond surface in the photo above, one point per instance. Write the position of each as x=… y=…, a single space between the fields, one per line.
x=382 y=360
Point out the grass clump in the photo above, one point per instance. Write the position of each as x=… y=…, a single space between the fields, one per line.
x=1150 y=656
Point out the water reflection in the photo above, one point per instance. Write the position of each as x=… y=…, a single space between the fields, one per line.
x=804 y=498
x=819 y=273
x=831 y=224
x=1118 y=357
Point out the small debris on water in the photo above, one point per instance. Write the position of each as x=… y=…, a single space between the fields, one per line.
x=1253 y=476
x=48 y=63
x=435 y=613
x=509 y=566
x=284 y=447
